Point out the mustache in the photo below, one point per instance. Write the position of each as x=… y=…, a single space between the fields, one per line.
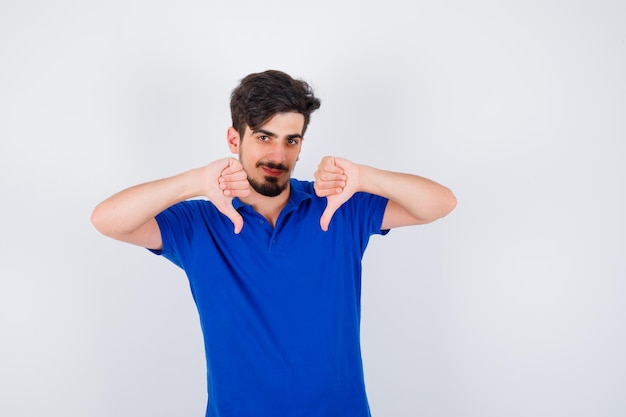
x=272 y=165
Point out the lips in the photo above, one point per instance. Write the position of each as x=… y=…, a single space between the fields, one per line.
x=272 y=172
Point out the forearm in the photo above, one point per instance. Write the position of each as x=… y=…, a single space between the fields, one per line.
x=420 y=198
x=128 y=210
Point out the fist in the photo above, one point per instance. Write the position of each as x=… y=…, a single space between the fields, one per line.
x=231 y=182
x=335 y=179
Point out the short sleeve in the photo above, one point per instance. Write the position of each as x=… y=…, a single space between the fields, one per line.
x=370 y=210
x=176 y=224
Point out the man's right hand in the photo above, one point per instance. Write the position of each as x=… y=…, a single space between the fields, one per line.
x=129 y=215
x=232 y=181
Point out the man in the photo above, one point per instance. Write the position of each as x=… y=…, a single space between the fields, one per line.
x=274 y=263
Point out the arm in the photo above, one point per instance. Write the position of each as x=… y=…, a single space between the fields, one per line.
x=129 y=215
x=412 y=199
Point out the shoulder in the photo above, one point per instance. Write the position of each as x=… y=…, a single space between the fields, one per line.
x=197 y=205
x=302 y=186
x=302 y=191
x=188 y=210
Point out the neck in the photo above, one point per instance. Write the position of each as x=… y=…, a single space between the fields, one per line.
x=268 y=207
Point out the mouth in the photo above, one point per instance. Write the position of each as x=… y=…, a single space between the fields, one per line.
x=272 y=170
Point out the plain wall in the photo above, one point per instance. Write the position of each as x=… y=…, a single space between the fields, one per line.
x=510 y=306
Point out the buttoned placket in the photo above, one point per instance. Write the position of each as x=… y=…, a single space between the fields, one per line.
x=271 y=233
x=274 y=232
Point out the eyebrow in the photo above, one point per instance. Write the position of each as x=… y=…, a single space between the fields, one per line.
x=274 y=135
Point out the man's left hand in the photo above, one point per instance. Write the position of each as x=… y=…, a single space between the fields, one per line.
x=337 y=180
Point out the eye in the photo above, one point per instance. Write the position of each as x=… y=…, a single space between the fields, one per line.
x=293 y=141
x=264 y=138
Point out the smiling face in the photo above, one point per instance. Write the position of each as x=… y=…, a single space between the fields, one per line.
x=269 y=153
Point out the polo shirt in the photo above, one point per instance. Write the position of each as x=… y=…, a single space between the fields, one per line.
x=279 y=306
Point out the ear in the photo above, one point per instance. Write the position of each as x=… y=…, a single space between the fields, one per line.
x=233 y=139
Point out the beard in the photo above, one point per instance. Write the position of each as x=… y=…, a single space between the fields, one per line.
x=270 y=187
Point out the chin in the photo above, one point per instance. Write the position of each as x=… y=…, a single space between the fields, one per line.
x=269 y=187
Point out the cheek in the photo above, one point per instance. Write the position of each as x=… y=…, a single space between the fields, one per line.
x=293 y=158
x=244 y=158
x=296 y=153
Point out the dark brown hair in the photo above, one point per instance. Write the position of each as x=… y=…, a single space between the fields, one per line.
x=260 y=96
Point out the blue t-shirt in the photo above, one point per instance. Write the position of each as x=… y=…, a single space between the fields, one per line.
x=279 y=307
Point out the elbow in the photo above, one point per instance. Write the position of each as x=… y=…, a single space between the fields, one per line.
x=441 y=206
x=447 y=203
x=451 y=201
x=98 y=220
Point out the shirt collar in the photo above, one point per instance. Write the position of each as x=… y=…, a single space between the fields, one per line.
x=298 y=195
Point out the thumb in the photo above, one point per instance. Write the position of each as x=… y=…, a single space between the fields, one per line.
x=329 y=212
x=234 y=216
x=237 y=222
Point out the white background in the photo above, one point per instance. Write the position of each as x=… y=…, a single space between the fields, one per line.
x=510 y=306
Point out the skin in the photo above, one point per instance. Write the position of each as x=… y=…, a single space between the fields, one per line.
x=267 y=157
x=413 y=200
x=275 y=144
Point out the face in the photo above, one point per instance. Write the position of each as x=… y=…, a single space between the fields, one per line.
x=269 y=154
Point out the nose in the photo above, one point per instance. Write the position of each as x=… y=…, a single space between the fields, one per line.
x=277 y=153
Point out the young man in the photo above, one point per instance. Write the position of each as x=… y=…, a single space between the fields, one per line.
x=274 y=263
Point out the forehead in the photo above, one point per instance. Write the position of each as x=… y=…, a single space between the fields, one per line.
x=282 y=124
